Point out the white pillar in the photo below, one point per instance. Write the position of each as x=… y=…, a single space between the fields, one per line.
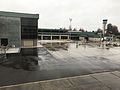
x=60 y=37
x=51 y=37
x=68 y=37
x=41 y=37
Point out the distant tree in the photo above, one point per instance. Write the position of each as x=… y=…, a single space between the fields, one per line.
x=111 y=29
x=114 y=29
x=60 y=28
x=64 y=29
x=74 y=29
x=99 y=30
x=82 y=30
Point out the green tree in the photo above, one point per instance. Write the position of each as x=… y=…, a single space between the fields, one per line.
x=99 y=30
x=114 y=29
x=111 y=29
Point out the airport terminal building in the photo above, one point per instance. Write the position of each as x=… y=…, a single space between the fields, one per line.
x=18 y=29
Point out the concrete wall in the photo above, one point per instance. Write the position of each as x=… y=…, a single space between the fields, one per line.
x=10 y=27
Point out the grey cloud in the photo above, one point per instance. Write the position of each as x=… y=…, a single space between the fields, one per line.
x=87 y=14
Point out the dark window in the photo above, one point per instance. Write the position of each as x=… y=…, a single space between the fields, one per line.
x=29 y=28
x=4 y=41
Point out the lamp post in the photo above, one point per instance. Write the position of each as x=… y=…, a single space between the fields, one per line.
x=104 y=28
x=70 y=27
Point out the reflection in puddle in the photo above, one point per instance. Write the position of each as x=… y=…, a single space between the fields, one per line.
x=53 y=55
x=56 y=46
x=27 y=59
x=18 y=62
x=69 y=59
x=78 y=49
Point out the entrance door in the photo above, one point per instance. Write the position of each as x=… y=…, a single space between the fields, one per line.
x=4 y=41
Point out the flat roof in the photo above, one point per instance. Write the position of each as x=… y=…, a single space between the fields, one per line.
x=16 y=14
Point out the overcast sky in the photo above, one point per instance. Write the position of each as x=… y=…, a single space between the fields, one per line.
x=87 y=14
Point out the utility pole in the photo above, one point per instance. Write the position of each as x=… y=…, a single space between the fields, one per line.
x=70 y=27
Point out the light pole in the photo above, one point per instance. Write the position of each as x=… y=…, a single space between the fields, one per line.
x=70 y=27
x=104 y=28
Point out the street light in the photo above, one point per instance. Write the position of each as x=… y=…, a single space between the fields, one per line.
x=70 y=27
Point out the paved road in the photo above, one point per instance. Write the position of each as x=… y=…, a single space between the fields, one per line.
x=82 y=60
x=99 y=81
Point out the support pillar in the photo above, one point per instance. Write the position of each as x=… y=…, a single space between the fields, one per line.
x=41 y=37
x=51 y=37
x=60 y=37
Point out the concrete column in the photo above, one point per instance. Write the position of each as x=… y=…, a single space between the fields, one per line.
x=41 y=37
x=51 y=37
x=60 y=37
x=68 y=37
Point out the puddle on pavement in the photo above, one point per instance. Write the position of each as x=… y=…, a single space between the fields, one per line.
x=53 y=55
x=56 y=46
x=27 y=60
x=67 y=60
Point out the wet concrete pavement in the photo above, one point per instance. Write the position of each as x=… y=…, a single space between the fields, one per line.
x=74 y=61
x=97 y=81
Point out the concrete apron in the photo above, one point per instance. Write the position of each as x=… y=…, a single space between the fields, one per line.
x=97 y=81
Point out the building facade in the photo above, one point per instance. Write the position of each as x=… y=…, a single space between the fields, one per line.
x=64 y=34
x=18 y=29
x=53 y=34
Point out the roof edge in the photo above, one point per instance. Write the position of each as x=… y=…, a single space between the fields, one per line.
x=17 y=14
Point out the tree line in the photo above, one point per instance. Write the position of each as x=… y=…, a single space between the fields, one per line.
x=111 y=29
